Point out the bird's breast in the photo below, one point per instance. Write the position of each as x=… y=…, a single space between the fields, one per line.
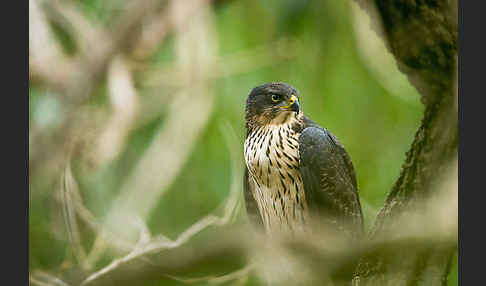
x=272 y=159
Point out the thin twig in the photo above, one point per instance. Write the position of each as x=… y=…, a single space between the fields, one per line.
x=42 y=278
x=69 y=213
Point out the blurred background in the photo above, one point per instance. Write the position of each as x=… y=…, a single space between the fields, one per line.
x=136 y=111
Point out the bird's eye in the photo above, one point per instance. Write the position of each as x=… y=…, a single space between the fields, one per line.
x=275 y=97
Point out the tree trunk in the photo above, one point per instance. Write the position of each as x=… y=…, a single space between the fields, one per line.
x=422 y=35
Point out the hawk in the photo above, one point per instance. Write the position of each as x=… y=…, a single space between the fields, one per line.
x=296 y=171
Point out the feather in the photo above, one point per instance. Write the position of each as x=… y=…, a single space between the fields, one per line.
x=329 y=178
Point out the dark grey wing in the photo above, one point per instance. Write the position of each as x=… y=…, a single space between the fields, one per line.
x=250 y=203
x=329 y=179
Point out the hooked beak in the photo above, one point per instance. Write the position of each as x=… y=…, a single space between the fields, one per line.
x=293 y=105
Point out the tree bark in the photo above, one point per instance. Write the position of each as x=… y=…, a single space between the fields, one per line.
x=422 y=35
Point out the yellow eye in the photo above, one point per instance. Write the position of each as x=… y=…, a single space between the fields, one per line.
x=275 y=97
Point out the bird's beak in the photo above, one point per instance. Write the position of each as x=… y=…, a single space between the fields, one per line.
x=293 y=104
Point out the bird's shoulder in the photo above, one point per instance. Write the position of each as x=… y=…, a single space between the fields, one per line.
x=313 y=135
x=328 y=174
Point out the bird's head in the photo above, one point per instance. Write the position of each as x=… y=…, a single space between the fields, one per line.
x=272 y=103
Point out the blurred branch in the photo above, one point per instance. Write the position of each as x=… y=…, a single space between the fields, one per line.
x=139 y=29
x=73 y=208
x=187 y=116
x=41 y=278
x=234 y=246
x=423 y=38
x=68 y=188
x=123 y=99
x=156 y=28
x=236 y=276
x=75 y=77
x=429 y=226
x=99 y=48
x=165 y=259
x=170 y=77
x=226 y=66
x=155 y=245
x=44 y=50
x=373 y=52
x=85 y=32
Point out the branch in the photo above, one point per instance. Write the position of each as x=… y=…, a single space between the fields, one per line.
x=161 y=245
x=187 y=117
x=74 y=78
x=237 y=250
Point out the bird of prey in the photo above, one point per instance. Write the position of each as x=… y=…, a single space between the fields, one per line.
x=296 y=171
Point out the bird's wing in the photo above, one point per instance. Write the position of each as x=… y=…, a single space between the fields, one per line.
x=250 y=203
x=329 y=179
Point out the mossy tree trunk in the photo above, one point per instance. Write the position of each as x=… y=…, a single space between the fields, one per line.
x=422 y=35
